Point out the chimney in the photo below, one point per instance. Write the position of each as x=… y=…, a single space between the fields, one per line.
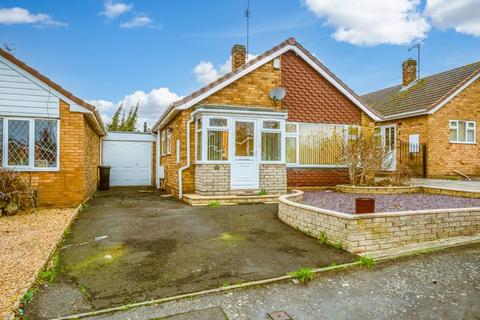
x=409 y=71
x=238 y=56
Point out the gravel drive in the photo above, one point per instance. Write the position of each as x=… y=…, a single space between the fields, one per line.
x=26 y=242
x=345 y=202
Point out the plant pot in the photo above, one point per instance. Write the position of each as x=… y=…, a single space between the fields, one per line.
x=364 y=205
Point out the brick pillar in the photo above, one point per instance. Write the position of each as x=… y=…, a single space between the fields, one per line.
x=239 y=54
x=409 y=71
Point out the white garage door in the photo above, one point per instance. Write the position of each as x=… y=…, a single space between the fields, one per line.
x=130 y=157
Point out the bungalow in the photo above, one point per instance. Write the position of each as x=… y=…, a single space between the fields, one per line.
x=239 y=135
x=48 y=134
x=441 y=111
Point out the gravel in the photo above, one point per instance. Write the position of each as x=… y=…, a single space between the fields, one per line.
x=26 y=242
x=345 y=202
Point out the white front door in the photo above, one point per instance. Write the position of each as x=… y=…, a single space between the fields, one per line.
x=389 y=144
x=244 y=167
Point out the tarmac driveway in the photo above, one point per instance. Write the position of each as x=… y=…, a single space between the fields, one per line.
x=135 y=244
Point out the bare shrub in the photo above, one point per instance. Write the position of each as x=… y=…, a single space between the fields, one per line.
x=15 y=193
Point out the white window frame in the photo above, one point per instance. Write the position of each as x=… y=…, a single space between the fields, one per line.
x=456 y=127
x=205 y=128
x=196 y=139
x=162 y=143
x=31 y=146
x=281 y=131
x=169 y=140
x=297 y=136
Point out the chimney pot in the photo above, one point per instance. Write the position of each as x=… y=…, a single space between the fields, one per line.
x=239 y=54
x=409 y=71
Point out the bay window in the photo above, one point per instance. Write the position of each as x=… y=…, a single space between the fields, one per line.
x=462 y=131
x=217 y=139
x=29 y=144
x=314 y=144
x=271 y=141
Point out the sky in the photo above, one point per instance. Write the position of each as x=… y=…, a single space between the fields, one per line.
x=154 y=52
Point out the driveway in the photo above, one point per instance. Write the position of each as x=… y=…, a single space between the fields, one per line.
x=133 y=245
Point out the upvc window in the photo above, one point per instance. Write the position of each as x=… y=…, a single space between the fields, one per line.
x=217 y=139
x=462 y=131
x=314 y=144
x=271 y=141
x=29 y=144
x=163 y=141
x=198 y=139
x=169 y=140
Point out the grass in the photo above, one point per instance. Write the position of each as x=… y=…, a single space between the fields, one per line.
x=303 y=275
x=51 y=272
x=322 y=238
x=214 y=204
x=338 y=245
x=366 y=261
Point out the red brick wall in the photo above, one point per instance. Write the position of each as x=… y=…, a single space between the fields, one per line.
x=313 y=177
x=312 y=98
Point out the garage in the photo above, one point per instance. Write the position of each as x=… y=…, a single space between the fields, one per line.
x=130 y=156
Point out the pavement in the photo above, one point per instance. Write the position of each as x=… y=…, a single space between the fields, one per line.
x=136 y=244
x=437 y=285
x=448 y=184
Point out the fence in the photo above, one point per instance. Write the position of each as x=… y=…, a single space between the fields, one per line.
x=413 y=155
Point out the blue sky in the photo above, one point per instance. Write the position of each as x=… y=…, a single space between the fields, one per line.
x=112 y=51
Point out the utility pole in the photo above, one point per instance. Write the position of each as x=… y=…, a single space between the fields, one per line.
x=417 y=46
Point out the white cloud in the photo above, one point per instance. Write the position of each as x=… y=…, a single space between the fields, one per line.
x=139 y=21
x=371 y=22
x=461 y=15
x=115 y=9
x=18 y=15
x=152 y=105
x=206 y=72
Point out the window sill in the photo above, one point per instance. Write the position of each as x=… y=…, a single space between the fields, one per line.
x=28 y=169
x=460 y=142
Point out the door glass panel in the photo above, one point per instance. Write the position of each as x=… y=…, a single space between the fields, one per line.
x=244 y=139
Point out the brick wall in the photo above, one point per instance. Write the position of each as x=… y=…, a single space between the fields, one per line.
x=91 y=159
x=212 y=179
x=314 y=177
x=372 y=232
x=273 y=178
x=72 y=183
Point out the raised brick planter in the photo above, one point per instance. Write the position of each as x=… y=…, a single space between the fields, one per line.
x=378 y=231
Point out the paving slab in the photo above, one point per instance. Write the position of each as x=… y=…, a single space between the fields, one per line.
x=205 y=314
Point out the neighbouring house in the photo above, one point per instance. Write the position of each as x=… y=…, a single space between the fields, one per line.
x=441 y=111
x=48 y=134
x=232 y=137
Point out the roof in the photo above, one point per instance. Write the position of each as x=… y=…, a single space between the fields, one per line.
x=425 y=96
x=289 y=44
x=55 y=86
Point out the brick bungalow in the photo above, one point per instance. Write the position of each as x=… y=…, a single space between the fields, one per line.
x=441 y=111
x=48 y=134
x=232 y=137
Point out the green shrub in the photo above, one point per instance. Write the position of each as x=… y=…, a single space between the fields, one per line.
x=303 y=275
x=262 y=192
x=322 y=238
x=15 y=193
x=214 y=204
x=367 y=261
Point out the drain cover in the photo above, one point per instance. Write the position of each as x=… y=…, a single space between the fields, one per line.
x=279 y=315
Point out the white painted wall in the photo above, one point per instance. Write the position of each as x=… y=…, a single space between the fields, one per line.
x=21 y=96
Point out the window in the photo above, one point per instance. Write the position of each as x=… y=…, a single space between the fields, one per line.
x=314 y=144
x=169 y=140
x=462 y=131
x=198 y=137
x=217 y=139
x=163 y=142
x=271 y=141
x=45 y=143
x=30 y=143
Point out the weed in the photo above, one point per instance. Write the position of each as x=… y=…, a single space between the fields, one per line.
x=51 y=272
x=262 y=192
x=303 y=275
x=27 y=297
x=83 y=207
x=226 y=284
x=338 y=245
x=214 y=204
x=333 y=264
x=322 y=238
x=366 y=261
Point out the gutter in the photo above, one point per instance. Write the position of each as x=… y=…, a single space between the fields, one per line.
x=187 y=165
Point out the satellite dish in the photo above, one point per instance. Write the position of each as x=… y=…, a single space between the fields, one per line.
x=277 y=94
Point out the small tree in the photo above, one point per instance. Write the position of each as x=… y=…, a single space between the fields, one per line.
x=121 y=123
x=362 y=151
